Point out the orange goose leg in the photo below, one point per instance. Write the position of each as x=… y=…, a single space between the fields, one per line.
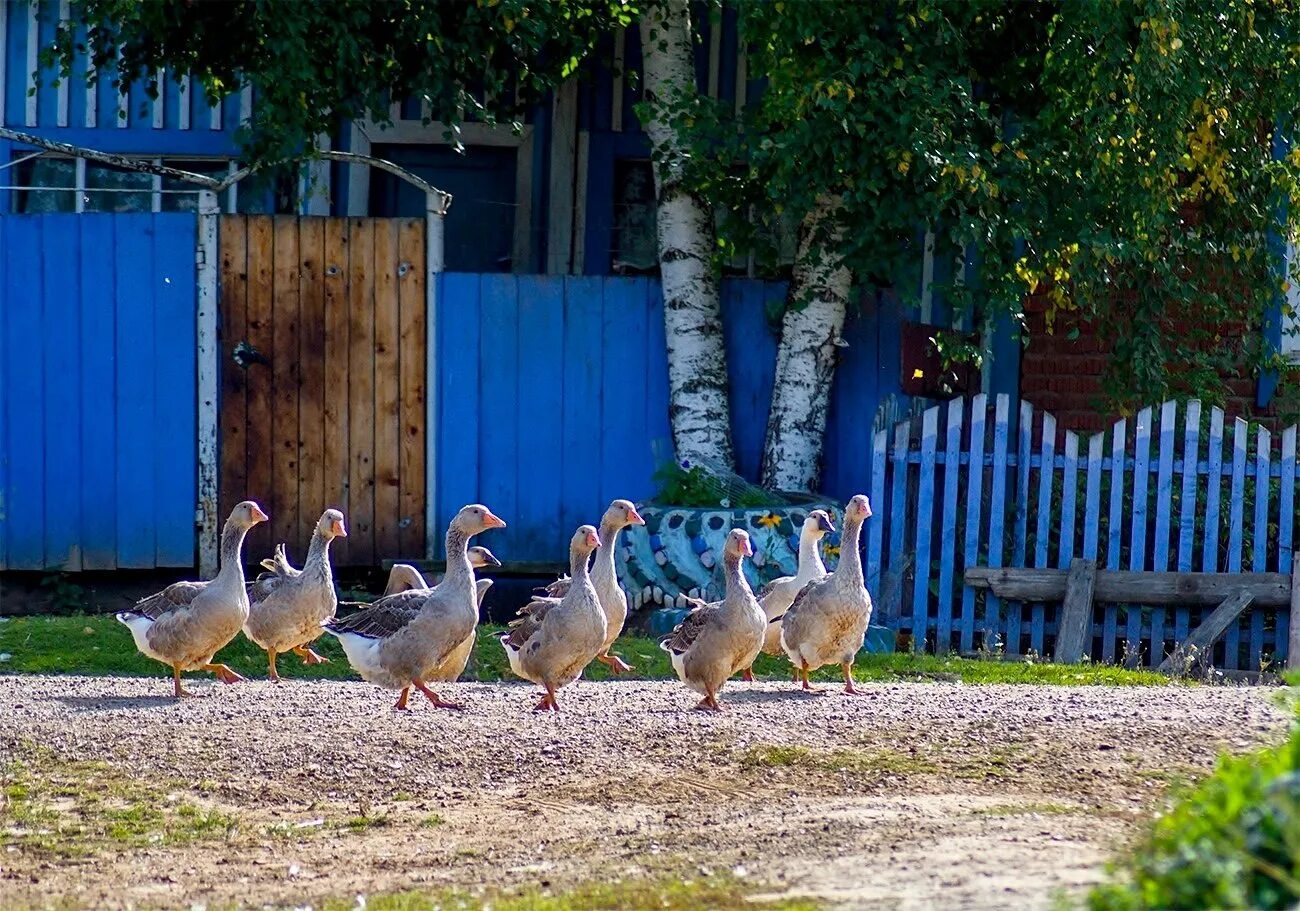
x=401 y=700
x=179 y=691
x=807 y=685
x=848 y=678
x=433 y=697
x=616 y=664
x=309 y=656
x=747 y=674
x=224 y=674
x=270 y=660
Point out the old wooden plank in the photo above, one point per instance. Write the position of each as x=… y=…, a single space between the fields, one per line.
x=1069 y=500
x=1043 y=524
x=208 y=359
x=1285 y=528
x=1188 y=509
x=258 y=375
x=387 y=398
x=1259 y=543
x=1268 y=589
x=1198 y=645
x=1074 y=636
x=1236 y=532
x=1114 y=529
x=1092 y=496
x=898 y=509
x=285 y=523
x=1024 y=449
x=1293 y=614
x=361 y=384
x=948 y=535
x=1213 y=492
x=412 y=362
x=974 y=503
x=1164 y=512
x=315 y=372
x=1138 y=536
x=924 y=526
x=335 y=466
x=997 y=508
x=876 y=529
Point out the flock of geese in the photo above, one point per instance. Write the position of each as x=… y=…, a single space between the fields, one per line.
x=416 y=635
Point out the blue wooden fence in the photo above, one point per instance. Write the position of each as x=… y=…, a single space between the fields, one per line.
x=553 y=396
x=97 y=391
x=967 y=484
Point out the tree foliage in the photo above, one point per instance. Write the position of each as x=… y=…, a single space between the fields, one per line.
x=315 y=65
x=1116 y=156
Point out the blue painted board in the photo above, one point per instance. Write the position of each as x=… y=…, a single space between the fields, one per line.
x=1285 y=531
x=1092 y=497
x=948 y=535
x=1214 y=483
x=924 y=528
x=458 y=399
x=176 y=385
x=897 y=529
x=974 y=501
x=1138 y=505
x=98 y=469
x=581 y=410
x=625 y=458
x=23 y=312
x=498 y=432
x=1115 y=524
x=1259 y=543
x=1069 y=500
x=1187 y=506
x=540 y=458
x=1236 y=508
x=997 y=509
x=1164 y=511
x=876 y=528
x=1015 y=618
x=4 y=425
x=658 y=430
x=1042 y=528
x=751 y=367
x=137 y=437
x=62 y=405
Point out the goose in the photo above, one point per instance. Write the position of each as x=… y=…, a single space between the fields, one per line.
x=393 y=646
x=288 y=605
x=187 y=623
x=717 y=640
x=828 y=619
x=776 y=596
x=405 y=577
x=553 y=641
x=604 y=578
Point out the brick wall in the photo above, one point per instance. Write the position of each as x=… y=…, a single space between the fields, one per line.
x=1063 y=375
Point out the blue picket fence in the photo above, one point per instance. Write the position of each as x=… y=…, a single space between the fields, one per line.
x=966 y=484
x=97 y=391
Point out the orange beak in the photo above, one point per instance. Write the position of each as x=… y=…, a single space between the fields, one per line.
x=635 y=517
x=593 y=540
x=747 y=547
x=866 y=510
x=491 y=520
x=258 y=515
x=338 y=529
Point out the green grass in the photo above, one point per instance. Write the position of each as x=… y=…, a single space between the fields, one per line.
x=97 y=644
x=663 y=894
x=883 y=761
x=1027 y=809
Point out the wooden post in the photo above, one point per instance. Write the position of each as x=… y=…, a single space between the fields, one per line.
x=1072 y=640
x=209 y=379
x=1293 y=640
x=435 y=212
x=1204 y=636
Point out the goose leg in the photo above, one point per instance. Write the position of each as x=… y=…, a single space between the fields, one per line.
x=270 y=659
x=616 y=664
x=747 y=674
x=179 y=691
x=310 y=657
x=709 y=703
x=400 y=705
x=807 y=685
x=848 y=678
x=433 y=697
x=544 y=704
x=224 y=674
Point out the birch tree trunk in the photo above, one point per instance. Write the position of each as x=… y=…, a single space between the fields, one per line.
x=805 y=358
x=697 y=362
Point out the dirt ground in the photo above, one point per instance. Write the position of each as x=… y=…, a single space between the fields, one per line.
x=909 y=796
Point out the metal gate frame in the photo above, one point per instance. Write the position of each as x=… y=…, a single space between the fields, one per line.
x=437 y=204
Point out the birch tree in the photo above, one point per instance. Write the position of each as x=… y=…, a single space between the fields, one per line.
x=699 y=407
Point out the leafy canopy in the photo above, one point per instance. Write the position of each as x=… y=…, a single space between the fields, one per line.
x=1114 y=155
x=315 y=65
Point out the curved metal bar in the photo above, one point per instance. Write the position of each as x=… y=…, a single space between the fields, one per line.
x=352 y=158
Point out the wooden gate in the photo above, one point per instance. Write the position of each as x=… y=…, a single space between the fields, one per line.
x=323 y=365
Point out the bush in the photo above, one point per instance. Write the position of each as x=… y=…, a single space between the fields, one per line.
x=1233 y=841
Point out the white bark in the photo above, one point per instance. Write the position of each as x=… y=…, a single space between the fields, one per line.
x=697 y=365
x=805 y=358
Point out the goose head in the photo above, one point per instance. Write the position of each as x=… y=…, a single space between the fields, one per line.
x=859 y=508
x=584 y=540
x=404 y=577
x=475 y=519
x=480 y=557
x=622 y=513
x=330 y=525
x=818 y=523
x=247 y=514
x=738 y=543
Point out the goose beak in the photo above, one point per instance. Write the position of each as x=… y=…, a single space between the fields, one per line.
x=492 y=560
x=866 y=510
x=593 y=540
x=338 y=530
x=825 y=524
x=747 y=547
x=492 y=521
x=635 y=517
x=258 y=515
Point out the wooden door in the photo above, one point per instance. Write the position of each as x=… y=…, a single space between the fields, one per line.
x=323 y=380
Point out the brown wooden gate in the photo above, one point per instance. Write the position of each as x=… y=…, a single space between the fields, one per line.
x=323 y=362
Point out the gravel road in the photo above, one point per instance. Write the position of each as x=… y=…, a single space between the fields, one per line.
x=908 y=796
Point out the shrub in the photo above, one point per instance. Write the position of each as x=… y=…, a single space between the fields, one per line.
x=1233 y=841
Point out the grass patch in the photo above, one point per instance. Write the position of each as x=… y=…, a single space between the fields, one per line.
x=364 y=823
x=71 y=808
x=98 y=645
x=716 y=894
x=890 y=762
x=1027 y=809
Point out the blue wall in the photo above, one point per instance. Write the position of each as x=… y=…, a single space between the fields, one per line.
x=553 y=396
x=97 y=391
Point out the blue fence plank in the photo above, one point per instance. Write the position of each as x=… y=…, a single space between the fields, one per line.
x=98 y=468
x=658 y=430
x=1236 y=508
x=1114 y=529
x=1092 y=497
x=1069 y=498
x=24 y=396
x=875 y=529
x=583 y=321
x=498 y=442
x=62 y=426
x=948 y=537
x=1138 y=539
x=751 y=368
x=924 y=519
x=997 y=508
x=1164 y=510
x=1015 y=609
x=1285 y=530
x=897 y=529
x=626 y=460
x=974 y=502
x=541 y=457
x=1188 y=509
x=1213 y=488
x=136 y=430
x=4 y=386
x=1042 y=528
x=458 y=398
x=1259 y=542
x=176 y=385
